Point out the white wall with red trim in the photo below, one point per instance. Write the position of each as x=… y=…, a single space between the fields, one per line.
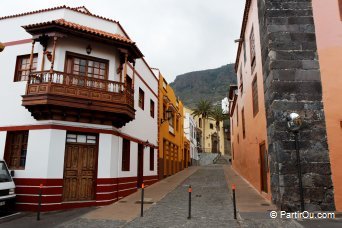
x=52 y=142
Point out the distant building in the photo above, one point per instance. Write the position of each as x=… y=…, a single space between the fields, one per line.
x=173 y=150
x=225 y=105
x=78 y=109
x=214 y=136
x=288 y=60
x=190 y=133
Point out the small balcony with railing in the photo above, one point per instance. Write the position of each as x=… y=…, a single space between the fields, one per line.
x=84 y=93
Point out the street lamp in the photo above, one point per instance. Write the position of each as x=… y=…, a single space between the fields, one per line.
x=294 y=123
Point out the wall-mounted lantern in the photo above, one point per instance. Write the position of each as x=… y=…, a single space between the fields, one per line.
x=2 y=47
x=146 y=144
x=294 y=123
x=168 y=116
x=48 y=55
x=88 y=49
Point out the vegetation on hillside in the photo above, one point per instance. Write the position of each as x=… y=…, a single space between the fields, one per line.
x=211 y=85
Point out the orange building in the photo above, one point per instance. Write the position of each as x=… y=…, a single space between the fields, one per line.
x=287 y=61
x=173 y=148
x=328 y=19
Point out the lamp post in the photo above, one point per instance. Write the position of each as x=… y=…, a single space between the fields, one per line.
x=294 y=123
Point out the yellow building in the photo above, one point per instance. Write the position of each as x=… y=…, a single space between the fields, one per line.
x=214 y=137
x=172 y=155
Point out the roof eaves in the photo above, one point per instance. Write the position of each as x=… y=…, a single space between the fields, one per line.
x=76 y=9
x=242 y=34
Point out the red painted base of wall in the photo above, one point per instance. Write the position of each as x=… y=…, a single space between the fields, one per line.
x=108 y=190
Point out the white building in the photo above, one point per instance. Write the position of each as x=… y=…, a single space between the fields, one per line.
x=225 y=105
x=190 y=134
x=70 y=117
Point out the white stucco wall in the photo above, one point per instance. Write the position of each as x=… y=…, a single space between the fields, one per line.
x=48 y=146
x=144 y=126
x=189 y=123
x=2 y=143
x=56 y=154
x=37 y=157
x=14 y=31
x=105 y=156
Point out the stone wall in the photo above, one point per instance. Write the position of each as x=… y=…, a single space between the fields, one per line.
x=292 y=83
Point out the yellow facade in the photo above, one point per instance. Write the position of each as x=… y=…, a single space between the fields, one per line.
x=172 y=155
x=214 y=138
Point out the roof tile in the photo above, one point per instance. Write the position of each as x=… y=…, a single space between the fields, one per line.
x=82 y=28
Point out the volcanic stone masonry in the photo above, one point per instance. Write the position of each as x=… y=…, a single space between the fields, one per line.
x=292 y=83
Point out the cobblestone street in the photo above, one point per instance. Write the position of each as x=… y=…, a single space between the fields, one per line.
x=211 y=207
x=211 y=203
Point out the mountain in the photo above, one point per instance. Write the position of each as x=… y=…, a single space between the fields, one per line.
x=212 y=85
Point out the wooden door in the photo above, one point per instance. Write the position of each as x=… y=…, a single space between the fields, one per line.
x=140 y=173
x=263 y=167
x=79 y=172
x=214 y=143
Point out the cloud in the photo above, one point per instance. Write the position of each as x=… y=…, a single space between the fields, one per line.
x=176 y=36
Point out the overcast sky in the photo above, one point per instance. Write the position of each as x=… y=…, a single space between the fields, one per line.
x=176 y=36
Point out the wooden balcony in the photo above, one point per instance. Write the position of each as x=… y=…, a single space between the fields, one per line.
x=61 y=96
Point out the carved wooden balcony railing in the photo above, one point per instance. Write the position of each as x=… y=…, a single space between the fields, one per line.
x=62 y=96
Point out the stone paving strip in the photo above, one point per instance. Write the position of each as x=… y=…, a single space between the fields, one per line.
x=248 y=198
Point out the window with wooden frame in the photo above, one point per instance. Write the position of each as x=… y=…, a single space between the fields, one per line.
x=141 y=98
x=252 y=49
x=152 y=108
x=232 y=125
x=23 y=66
x=233 y=150
x=86 y=66
x=126 y=151
x=16 y=149
x=172 y=120
x=211 y=126
x=72 y=137
x=340 y=7
x=200 y=122
x=243 y=123
x=237 y=115
x=255 y=96
x=241 y=81
x=177 y=123
x=164 y=112
x=244 y=53
x=151 y=158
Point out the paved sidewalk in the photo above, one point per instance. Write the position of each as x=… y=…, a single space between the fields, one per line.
x=249 y=202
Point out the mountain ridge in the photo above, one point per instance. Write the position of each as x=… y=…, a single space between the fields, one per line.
x=211 y=84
